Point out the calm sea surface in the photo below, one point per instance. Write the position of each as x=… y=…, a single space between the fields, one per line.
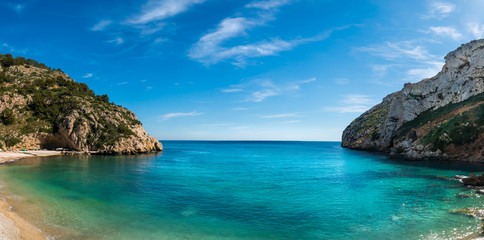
x=243 y=190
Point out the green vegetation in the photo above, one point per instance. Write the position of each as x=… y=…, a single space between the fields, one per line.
x=431 y=115
x=373 y=121
x=12 y=141
x=51 y=99
x=8 y=117
x=8 y=60
x=459 y=130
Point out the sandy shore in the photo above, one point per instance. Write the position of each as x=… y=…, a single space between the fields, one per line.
x=13 y=227
x=6 y=157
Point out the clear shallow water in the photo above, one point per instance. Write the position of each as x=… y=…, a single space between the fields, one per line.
x=244 y=190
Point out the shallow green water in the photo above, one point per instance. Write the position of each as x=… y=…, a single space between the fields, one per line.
x=245 y=190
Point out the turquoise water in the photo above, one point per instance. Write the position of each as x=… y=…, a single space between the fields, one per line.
x=244 y=190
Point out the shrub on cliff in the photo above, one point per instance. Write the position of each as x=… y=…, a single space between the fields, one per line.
x=8 y=117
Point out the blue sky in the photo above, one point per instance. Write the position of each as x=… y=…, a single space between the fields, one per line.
x=242 y=70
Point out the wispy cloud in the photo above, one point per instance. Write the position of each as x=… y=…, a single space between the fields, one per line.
x=447 y=32
x=151 y=29
x=88 y=75
x=353 y=103
x=291 y=121
x=156 y=10
x=439 y=10
x=117 y=41
x=284 y=115
x=239 y=109
x=232 y=90
x=432 y=68
x=348 y=109
x=180 y=114
x=102 y=25
x=210 y=48
x=261 y=89
x=476 y=29
x=122 y=83
x=260 y=96
x=269 y=4
x=409 y=60
x=395 y=50
x=357 y=99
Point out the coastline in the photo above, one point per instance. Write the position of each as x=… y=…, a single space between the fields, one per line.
x=6 y=157
x=12 y=226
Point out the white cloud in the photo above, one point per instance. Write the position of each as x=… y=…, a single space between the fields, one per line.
x=232 y=90
x=291 y=121
x=180 y=114
x=308 y=81
x=122 y=83
x=239 y=109
x=357 y=99
x=151 y=28
x=439 y=10
x=395 y=50
x=476 y=29
x=260 y=96
x=261 y=89
x=160 y=40
x=156 y=10
x=268 y=4
x=447 y=32
x=353 y=103
x=89 y=75
x=117 y=41
x=284 y=115
x=210 y=48
x=417 y=74
x=348 y=109
x=101 y=25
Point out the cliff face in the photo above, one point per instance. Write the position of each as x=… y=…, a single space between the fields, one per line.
x=45 y=108
x=428 y=119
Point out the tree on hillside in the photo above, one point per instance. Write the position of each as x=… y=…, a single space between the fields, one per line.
x=7 y=60
x=8 y=117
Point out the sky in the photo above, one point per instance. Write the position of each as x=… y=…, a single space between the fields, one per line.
x=242 y=70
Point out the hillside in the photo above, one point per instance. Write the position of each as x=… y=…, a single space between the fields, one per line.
x=44 y=108
x=437 y=118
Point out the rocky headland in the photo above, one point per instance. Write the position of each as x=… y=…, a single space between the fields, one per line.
x=437 y=118
x=43 y=108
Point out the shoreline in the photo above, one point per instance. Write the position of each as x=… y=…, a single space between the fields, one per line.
x=7 y=157
x=12 y=226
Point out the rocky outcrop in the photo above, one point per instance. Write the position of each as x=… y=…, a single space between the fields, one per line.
x=45 y=108
x=402 y=122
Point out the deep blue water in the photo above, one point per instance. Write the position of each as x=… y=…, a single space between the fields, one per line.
x=243 y=190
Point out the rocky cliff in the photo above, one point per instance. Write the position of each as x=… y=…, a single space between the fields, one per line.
x=437 y=118
x=44 y=108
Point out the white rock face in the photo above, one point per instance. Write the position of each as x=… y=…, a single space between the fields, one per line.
x=461 y=77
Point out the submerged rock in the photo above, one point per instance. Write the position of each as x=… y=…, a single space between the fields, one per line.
x=473 y=212
x=474 y=180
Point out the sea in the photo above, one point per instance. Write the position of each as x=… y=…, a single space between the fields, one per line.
x=241 y=190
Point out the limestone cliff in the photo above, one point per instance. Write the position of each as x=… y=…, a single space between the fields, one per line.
x=44 y=108
x=438 y=117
